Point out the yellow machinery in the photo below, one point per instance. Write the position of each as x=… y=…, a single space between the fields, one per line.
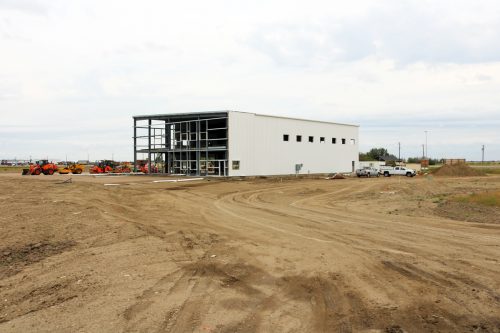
x=73 y=168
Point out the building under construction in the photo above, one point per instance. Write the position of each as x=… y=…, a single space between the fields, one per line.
x=233 y=143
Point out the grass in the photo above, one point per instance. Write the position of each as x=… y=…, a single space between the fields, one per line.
x=491 y=199
x=483 y=163
x=11 y=169
x=492 y=171
x=433 y=168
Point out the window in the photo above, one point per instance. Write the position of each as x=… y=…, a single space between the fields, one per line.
x=334 y=140
x=285 y=137
x=299 y=138
x=322 y=139
x=343 y=141
x=236 y=165
x=352 y=141
x=311 y=139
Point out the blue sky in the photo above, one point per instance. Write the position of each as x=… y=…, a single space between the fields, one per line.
x=72 y=73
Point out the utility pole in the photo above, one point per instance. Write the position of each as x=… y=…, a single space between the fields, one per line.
x=399 y=151
x=426 y=151
x=423 y=152
x=482 y=158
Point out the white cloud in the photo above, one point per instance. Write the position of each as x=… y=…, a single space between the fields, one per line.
x=396 y=68
x=24 y=6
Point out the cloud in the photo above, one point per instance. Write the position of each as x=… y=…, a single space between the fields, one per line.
x=309 y=45
x=406 y=32
x=9 y=89
x=25 y=6
x=394 y=67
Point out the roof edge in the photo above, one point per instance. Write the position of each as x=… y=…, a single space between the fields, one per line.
x=235 y=111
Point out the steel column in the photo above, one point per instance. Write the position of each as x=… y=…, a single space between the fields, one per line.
x=149 y=146
x=135 y=145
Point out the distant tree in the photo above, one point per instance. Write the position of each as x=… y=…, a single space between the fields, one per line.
x=413 y=160
x=377 y=153
x=432 y=161
x=364 y=157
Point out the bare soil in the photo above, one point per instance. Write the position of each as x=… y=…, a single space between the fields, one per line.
x=458 y=170
x=464 y=211
x=261 y=255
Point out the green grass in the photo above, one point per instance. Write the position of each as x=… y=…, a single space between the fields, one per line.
x=491 y=199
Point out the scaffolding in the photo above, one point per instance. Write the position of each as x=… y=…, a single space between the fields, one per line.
x=194 y=144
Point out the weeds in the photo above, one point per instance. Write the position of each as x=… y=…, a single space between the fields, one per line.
x=491 y=199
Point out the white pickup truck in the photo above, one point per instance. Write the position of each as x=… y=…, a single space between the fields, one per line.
x=388 y=171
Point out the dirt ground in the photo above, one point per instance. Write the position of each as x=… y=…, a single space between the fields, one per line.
x=261 y=255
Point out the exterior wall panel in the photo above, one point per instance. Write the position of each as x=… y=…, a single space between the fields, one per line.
x=256 y=141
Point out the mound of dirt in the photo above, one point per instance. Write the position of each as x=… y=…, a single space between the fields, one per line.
x=457 y=170
x=335 y=176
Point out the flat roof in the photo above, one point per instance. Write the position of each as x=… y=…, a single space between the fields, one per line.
x=224 y=113
x=162 y=116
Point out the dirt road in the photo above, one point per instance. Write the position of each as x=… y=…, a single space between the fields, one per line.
x=354 y=255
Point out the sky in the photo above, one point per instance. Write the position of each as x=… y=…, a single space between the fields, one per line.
x=73 y=73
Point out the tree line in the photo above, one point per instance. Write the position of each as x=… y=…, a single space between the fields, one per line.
x=382 y=154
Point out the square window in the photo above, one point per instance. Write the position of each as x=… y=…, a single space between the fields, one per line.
x=322 y=139
x=236 y=165
x=299 y=138
x=285 y=137
x=343 y=141
x=352 y=142
x=334 y=140
x=311 y=139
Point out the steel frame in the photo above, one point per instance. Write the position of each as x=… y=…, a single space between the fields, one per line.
x=190 y=144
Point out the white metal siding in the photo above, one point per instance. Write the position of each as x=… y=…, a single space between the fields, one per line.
x=257 y=142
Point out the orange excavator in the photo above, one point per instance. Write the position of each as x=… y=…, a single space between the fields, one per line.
x=122 y=168
x=42 y=166
x=143 y=167
x=104 y=166
x=107 y=166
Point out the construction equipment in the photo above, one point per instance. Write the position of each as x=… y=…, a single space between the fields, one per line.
x=122 y=168
x=143 y=167
x=107 y=166
x=72 y=168
x=42 y=166
x=104 y=166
